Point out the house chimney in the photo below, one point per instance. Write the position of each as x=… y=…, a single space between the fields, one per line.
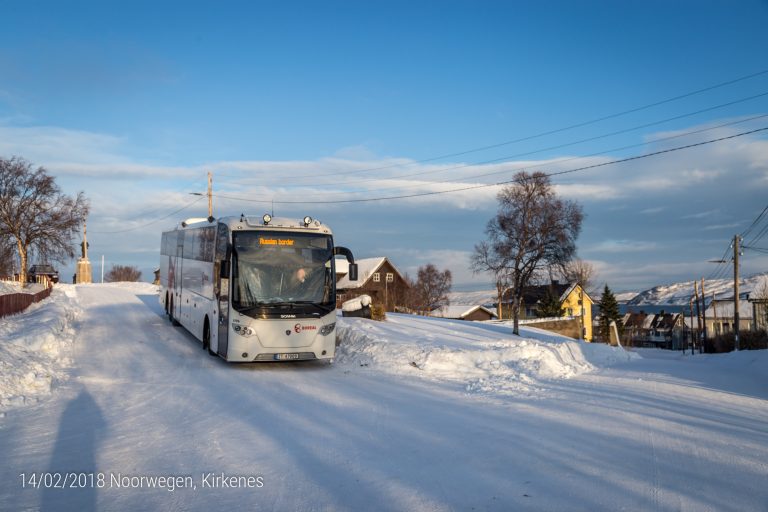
x=555 y=282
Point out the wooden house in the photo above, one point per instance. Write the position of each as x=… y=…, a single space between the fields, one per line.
x=574 y=301
x=377 y=277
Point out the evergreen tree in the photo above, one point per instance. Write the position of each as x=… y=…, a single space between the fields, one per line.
x=609 y=311
x=550 y=306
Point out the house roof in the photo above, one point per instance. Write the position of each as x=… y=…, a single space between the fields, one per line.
x=642 y=320
x=724 y=309
x=366 y=267
x=458 y=312
x=534 y=294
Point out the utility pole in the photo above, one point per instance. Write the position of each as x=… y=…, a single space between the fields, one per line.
x=703 y=313
x=210 y=195
x=698 y=312
x=690 y=309
x=736 y=291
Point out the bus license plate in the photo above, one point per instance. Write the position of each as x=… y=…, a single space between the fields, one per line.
x=286 y=357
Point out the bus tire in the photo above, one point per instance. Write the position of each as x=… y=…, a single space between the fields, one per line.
x=173 y=320
x=207 y=338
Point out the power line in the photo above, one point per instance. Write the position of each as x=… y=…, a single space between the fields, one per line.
x=154 y=221
x=548 y=132
x=757 y=249
x=528 y=167
x=474 y=187
x=540 y=150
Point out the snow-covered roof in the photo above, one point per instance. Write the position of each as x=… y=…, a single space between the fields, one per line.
x=366 y=267
x=724 y=309
x=458 y=311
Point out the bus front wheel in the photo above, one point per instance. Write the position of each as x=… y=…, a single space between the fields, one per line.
x=207 y=338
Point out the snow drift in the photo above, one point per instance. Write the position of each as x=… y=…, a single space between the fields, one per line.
x=482 y=357
x=35 y=348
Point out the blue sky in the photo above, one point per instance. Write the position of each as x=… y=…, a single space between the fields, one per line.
x=133 y=102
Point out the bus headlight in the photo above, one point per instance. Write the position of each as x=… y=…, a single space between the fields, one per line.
x=327 y=329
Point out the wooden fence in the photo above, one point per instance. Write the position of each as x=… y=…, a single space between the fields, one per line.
x=12 y=303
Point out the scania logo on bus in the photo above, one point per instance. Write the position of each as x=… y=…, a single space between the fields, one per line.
x=301 y=328
x=287 y=316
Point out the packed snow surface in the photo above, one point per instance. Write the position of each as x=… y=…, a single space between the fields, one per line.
x=416 y=414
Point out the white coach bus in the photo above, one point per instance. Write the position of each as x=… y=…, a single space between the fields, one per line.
x=254 y=289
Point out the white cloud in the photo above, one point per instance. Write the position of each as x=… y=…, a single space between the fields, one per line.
x=126 y=193
x=621 y=246
x=702 y=215
x=722 y=226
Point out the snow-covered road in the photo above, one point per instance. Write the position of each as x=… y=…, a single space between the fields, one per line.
x=456 y=431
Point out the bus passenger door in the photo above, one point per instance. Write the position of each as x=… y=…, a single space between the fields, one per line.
x=221 y=289
x=223 y=317
x=177 y=276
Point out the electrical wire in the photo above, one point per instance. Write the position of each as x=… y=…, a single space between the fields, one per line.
x=548 y=132
x=533 y=152
x=189 y=205
x=474 y=187
x=527 y=167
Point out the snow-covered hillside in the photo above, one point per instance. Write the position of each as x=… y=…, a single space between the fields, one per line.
x=415 y=414
x=680 y=293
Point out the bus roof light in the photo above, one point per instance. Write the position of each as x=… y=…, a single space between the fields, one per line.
x=267 y=218
x=307 y=221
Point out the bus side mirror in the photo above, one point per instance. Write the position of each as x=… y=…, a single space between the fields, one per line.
x=353 y=271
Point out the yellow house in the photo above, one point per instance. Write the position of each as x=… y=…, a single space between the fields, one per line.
x=574 y=301
x=577 y=303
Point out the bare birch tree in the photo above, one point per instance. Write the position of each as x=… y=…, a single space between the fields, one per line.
x=533 y=230
x=579 y=271
x=431 y=287
x=36 y=215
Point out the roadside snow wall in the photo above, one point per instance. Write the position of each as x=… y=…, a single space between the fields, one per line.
x=35 y=347
x=482 y=357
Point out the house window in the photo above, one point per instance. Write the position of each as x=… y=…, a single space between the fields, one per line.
x=390 y=277
x=376 y=277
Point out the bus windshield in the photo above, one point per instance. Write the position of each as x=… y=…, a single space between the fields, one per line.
x=272 y=270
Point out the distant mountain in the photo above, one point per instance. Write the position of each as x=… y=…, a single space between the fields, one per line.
x=680 y=293
x=621 y=298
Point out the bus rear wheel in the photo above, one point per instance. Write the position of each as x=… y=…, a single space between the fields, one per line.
x=174 y=322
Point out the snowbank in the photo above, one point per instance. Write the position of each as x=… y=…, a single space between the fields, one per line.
x=483 y=357
x=35 y=347
x=9 y=287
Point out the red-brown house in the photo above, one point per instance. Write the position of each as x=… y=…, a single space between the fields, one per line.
x=377 y=277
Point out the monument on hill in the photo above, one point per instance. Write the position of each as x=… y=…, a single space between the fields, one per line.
x=84 y=273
